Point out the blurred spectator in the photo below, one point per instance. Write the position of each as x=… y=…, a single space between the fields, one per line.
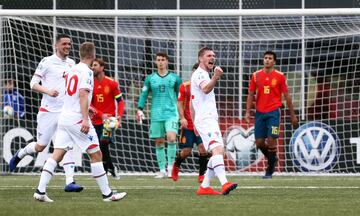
x=11 y=97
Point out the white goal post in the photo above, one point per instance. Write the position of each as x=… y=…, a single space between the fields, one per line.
x=317 y=49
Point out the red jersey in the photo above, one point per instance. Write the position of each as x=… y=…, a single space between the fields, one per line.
x=105 y=93
x=269 y=88
x=184 y=95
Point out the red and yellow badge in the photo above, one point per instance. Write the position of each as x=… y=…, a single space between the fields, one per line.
x=183 y=139
x=273 y=82
x=106 y=89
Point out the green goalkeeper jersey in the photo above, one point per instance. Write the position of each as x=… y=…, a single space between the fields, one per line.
x=164 y=91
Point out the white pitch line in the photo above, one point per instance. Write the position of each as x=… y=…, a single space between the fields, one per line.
x=3 y=187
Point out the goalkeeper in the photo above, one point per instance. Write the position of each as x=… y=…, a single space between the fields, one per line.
x=164 y=87
x=106 y=92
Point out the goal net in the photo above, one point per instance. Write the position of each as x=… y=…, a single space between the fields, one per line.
x=319 y=55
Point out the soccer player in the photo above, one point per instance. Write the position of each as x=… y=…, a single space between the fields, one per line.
x=164 y=87
x=206 y=120
x=75 y=127
x=50 y=72
x=106 y=92
x=187 y=135
x=268 y=84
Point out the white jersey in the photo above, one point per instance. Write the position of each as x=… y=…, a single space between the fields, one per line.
x=51 y=70
x=79 y=77
x=203 y=104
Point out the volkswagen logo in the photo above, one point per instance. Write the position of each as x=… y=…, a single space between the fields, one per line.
x=315 y=146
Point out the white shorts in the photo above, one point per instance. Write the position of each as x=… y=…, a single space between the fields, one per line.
x=46 y=127
x=67 y=136
x=210 y=133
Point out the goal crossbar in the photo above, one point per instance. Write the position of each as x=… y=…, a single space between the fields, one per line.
x=174 y=13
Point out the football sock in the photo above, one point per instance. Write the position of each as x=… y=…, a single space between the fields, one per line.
x=208 y=175
x=179 y=160
x=272 y=158
x=98 y=172
x=104 y=147
x=46 y=174
x=265 y=151
x=29 y=149
x=69 y=167
x=203 y=159
x=219 y=168
x=171 y=153
x=160 y=157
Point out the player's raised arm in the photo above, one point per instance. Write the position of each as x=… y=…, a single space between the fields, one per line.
x=207 y=87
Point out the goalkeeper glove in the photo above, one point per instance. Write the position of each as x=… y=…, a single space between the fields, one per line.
x=140 y=116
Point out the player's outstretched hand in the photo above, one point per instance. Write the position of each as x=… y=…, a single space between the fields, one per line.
x=140 y=116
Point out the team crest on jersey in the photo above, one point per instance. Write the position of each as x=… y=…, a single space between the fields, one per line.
x=106 y=89
x=273 y=82
x=209 y=134
x=89 y=81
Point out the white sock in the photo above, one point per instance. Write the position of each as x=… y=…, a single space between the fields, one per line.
x=29 y=149
x=219 y=168
x=69 y=166
x=98 y=172
x=209 y=174
x=46 y=174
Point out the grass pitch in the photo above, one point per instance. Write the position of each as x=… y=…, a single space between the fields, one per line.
x=148 y=196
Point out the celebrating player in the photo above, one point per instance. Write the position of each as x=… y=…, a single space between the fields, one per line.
x=205 y=116
x=75 y=128
x=268 y=84
x=50 y=72
x=106 y=91
x=187 y=135
x=164 y=87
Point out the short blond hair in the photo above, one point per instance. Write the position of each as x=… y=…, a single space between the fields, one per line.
x=87 y=50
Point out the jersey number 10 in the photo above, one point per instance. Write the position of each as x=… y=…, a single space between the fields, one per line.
x=71 y=84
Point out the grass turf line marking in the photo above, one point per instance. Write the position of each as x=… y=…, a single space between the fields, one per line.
x=6 y=187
